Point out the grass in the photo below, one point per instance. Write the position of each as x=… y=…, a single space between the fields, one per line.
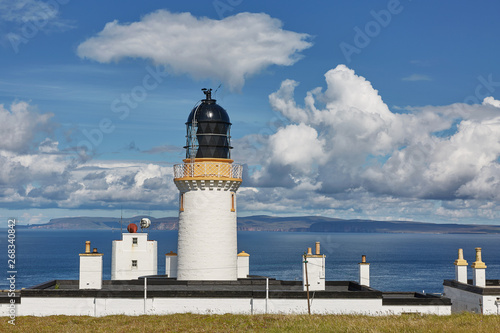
x=465 y=322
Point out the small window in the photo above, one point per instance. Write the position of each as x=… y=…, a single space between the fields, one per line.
x=232 y=202
x=134 y=263
x=134 y=241
x=181 y=204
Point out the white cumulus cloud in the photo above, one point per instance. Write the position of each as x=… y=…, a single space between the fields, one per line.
x=357 y=155
x=19 y=124
x=230 y=49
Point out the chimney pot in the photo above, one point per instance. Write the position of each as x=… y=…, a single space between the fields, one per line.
x=478 y=254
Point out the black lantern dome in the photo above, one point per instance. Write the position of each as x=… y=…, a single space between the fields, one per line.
x=208 y=130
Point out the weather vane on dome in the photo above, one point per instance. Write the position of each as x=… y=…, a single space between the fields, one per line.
x=208 y=93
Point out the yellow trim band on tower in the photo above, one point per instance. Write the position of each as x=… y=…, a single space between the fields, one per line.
x=209 y=178
x=208 y=169
x=201 y=160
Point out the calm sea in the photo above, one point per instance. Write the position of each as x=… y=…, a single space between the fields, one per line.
x=399 y=262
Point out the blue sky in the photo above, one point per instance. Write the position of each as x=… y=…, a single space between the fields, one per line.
x=366 y=109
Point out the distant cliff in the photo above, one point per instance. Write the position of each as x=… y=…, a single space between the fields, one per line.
x=272 y=223
x=85 y=222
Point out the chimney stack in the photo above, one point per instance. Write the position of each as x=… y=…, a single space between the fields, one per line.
x=243 y=265
x=461 y=268
x=364 y=272
x=315 y=269
x=479 y=269
x=90 y=268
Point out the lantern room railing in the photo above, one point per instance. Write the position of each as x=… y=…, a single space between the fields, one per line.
x=208 y=170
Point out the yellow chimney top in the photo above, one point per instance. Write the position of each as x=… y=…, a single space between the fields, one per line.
x=88 y=252
x=479 y=262
x=461 y=261
x=363 y=260
x=243 y=254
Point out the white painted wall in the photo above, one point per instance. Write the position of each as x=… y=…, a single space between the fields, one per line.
x=420 y=309
x=207 y=243
x=171 y=265
x=461 y=273
x=124 y=251
x=90 y=271
x=48 y=306
x=479 y=277
x=243 y=266
x=315 y=272
x=364 y=274
x=465 y=301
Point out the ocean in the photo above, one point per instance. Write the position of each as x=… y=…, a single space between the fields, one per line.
x=399 y=262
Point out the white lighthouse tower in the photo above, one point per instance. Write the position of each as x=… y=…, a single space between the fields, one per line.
x=207 y=181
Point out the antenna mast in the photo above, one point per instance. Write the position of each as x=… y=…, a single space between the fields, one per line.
x=215 y=92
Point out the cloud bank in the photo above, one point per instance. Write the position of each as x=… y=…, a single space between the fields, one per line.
x=344 y=149
x=340 y=152
x=36 y=173
x=230 y=50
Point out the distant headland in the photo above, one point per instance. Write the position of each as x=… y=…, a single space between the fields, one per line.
x=283 y=224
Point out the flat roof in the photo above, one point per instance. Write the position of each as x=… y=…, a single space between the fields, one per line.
x=252 y=287
x=492 y=287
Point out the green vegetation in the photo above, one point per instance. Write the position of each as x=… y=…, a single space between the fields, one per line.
x=258 y=323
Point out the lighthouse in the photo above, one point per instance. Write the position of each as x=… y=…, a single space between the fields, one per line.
x=207 y=181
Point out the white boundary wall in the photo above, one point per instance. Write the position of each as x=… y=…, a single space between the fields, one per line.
x=83 y=306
